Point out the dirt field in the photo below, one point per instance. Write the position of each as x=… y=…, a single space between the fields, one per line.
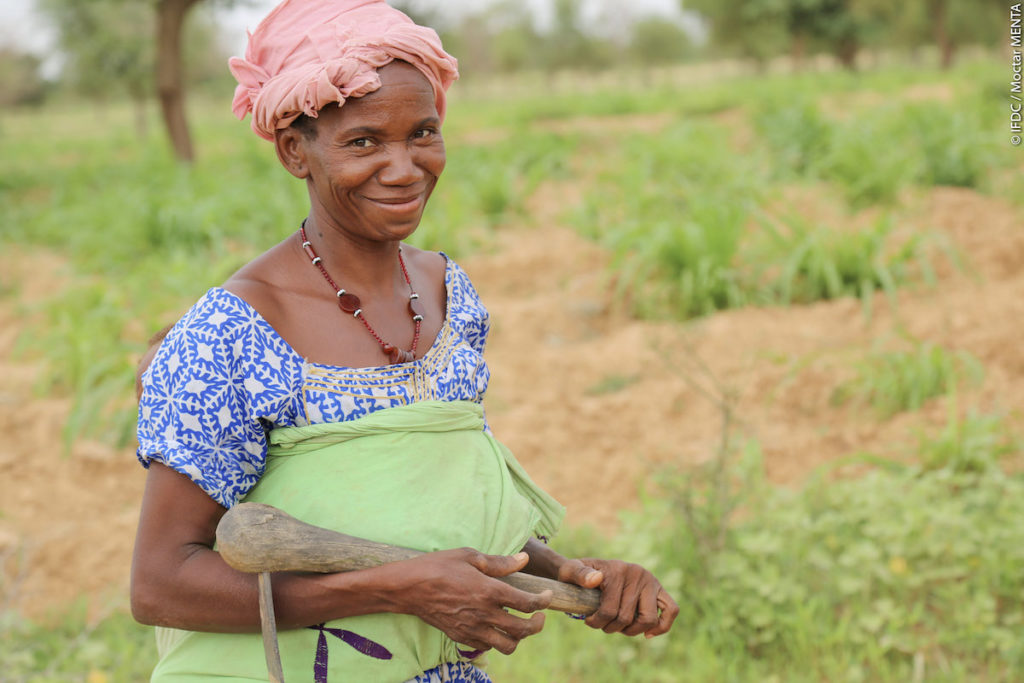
x=591 y=401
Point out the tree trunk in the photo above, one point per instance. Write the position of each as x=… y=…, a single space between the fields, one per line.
x=798 y=51
x=170 y=19
x=942 y=40
x=846 y=52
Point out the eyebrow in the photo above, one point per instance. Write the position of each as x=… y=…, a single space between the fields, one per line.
x=370 y=130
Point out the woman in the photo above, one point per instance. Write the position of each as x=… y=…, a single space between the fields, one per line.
x=340 y=377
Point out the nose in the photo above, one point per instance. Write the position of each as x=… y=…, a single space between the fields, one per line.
x=402 y=167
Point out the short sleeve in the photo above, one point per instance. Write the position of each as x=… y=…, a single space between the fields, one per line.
x=205 y=397
x=465 y=310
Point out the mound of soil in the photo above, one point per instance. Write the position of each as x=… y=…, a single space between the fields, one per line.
x=592 y=402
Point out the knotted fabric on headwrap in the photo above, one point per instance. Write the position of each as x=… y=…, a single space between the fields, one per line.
x=309 y=53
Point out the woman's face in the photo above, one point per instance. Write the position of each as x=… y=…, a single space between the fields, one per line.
x=373 y=162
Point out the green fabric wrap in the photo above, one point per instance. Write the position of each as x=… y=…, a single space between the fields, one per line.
x=425 y=476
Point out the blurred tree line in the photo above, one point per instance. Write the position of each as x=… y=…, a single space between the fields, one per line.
x=762 y=29
x=146 y=49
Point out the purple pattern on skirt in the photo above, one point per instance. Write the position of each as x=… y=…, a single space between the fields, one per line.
x=361 y=644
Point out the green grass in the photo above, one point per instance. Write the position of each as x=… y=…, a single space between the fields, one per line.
x=891 y=382
x=803 y=261
x=73 y=649
x=672 y=207
x=974 y=443
x=676 y=206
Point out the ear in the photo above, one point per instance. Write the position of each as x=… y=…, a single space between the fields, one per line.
x=291 y=151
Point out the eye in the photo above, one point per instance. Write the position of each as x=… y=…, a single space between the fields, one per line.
x=361 y=143
x=424 y=133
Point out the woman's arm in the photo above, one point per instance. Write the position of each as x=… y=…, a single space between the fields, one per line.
x=632 y=599
x=178 y=580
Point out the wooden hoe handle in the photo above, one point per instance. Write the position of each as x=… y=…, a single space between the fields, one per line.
x=253 y=537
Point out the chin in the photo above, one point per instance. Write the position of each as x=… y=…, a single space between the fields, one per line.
x=401 y=231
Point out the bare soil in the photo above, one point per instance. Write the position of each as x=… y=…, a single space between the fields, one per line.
x=593 y=402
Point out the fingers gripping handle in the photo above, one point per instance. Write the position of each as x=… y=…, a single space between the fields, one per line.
x=253 y=537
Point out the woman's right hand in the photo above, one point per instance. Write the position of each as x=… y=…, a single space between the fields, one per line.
x=456 y=591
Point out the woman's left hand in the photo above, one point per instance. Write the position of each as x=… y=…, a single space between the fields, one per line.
x=632 y=599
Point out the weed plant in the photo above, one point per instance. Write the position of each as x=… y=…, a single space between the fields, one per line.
x=891 y=382
x=974 y=443
x=796 y=134
x=872 y=154
x=798 y=261
x=867 y=161
x=672 y=208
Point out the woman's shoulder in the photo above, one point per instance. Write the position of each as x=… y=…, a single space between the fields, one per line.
x=258 y=285
x=427 y=267
x=216 y=313
x=220 y=329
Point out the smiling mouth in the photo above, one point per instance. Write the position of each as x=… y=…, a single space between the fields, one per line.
x=399 y=204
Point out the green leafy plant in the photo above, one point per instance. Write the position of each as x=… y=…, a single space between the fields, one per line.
x=895 y=381
x=954 y=147
x=800 y=261
x=870 y=159
x=973 y=443
x=796 y=133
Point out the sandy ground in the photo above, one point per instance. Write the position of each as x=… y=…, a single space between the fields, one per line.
x=591 y=401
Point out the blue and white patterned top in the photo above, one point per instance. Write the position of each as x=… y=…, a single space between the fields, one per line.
x=223 y=378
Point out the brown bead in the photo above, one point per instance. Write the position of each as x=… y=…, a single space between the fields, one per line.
x=397 y=355
x=349 y=303
x=415 y=307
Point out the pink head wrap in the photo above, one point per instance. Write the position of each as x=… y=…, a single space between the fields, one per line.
x=309 y=53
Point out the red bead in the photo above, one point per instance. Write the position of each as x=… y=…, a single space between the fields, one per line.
x=349 y=302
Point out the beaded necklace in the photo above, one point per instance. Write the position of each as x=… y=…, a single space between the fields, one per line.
x=349 y=303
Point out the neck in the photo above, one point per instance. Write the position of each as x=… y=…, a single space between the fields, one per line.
x=367 y=267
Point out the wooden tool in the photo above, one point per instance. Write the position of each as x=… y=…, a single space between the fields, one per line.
x=258 y=538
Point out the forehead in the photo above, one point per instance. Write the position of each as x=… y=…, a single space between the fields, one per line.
x=405 y=94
